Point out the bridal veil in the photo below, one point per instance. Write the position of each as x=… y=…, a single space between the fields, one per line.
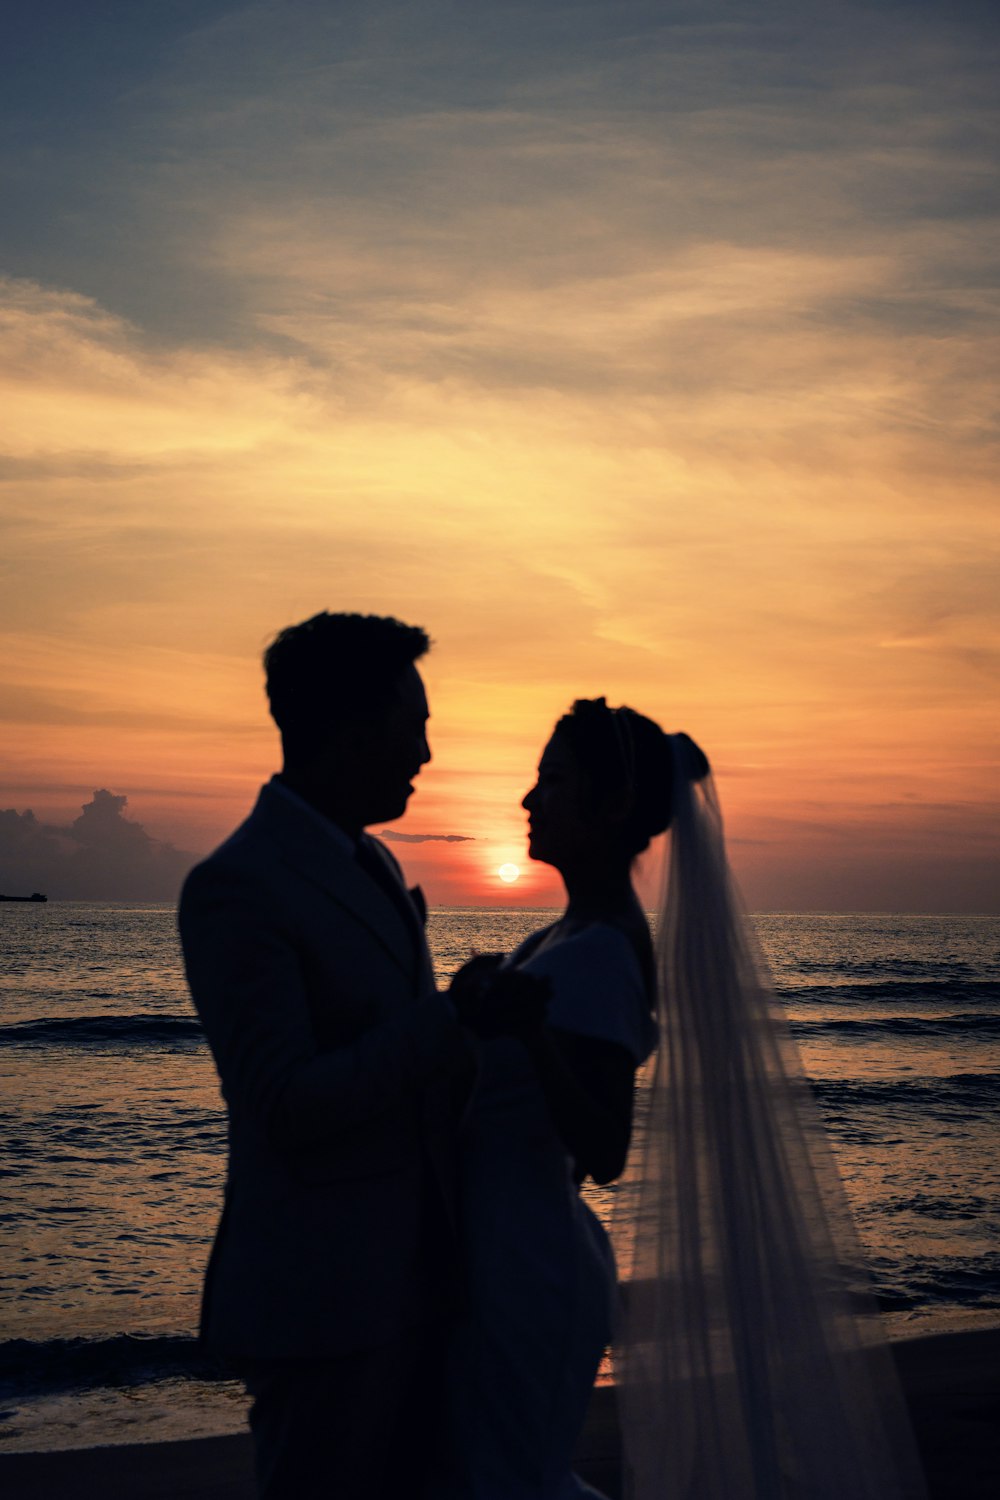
x=750 y=1364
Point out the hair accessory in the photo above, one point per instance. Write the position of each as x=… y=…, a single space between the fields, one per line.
x=626 y=742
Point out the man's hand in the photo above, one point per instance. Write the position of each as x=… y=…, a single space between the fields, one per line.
x=472 y=978
x=492 y=1001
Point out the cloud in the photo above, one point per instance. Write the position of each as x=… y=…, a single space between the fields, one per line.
x=638 y=349
x=101 y=856
x=425 y=838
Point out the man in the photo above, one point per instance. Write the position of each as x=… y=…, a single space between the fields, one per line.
x=328 y=1282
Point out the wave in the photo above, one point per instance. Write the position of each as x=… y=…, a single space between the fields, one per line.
x=103 y=1031
x=123 y=1360
x=908 y=968
x=973 y=1027
x=931 y=1206
x=132 y=1360
x=895 y=991
x=860 y=1110
x=152 y=1030
x=912 y=1282
x=973 y=1091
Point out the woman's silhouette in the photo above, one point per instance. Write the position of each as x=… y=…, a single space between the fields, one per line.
x=553 y=1106
x=743 y=1366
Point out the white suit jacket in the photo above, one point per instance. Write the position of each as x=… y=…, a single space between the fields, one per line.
x=337 y=1060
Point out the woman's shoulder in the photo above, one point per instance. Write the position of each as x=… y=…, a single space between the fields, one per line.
x=599 y=988
x=604 y=942
x=531 y=944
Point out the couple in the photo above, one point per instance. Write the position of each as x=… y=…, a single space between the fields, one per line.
x=405 y=1275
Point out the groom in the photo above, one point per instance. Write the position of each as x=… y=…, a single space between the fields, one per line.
x=328 y=1285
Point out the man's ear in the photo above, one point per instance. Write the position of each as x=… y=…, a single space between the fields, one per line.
x=362 y=738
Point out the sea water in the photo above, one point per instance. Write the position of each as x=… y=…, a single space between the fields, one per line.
x=112 y=1142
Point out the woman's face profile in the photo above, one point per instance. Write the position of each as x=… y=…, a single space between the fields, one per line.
x=561 y=826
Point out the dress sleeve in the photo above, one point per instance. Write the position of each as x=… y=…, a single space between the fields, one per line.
x=598 y=989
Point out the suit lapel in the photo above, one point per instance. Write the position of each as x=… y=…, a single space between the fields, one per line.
x=378 y=865
x=319 y=858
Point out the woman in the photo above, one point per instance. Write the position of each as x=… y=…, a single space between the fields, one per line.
x=553 y=1106
x=745 y=1365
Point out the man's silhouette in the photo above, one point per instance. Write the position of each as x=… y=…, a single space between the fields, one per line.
x=306 y=957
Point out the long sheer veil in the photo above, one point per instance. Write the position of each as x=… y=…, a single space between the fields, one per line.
x=750 y=1364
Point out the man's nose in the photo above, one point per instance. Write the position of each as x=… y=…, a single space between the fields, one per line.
x=526 y=799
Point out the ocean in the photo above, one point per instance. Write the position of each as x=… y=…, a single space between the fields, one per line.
x=112 y=1143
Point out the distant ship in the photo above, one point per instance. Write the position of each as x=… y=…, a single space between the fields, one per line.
x=35 y=896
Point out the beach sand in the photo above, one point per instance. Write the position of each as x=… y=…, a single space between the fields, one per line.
x=951 y=1381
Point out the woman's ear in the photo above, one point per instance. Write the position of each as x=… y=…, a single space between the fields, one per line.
x=614 y=808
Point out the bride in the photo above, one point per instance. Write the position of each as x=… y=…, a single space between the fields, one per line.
x=747 y=1364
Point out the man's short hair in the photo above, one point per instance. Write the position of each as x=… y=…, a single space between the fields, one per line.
x=334 y=668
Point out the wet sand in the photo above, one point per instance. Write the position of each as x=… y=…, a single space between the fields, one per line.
x=951 y=1382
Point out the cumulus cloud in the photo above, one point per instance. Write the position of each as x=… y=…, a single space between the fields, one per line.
x=426 y=838
x=101 y=856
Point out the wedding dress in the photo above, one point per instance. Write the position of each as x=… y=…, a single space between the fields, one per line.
x=749 y=1362
x=541 y=1275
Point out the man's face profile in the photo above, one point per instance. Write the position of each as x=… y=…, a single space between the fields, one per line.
x=392 y=747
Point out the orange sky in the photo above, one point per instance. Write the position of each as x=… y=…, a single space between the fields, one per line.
x=628 y=370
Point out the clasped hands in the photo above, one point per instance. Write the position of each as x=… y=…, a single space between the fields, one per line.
x=492 y=1001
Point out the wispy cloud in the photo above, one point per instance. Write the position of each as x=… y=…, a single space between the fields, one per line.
x=425 y=838
x=635 y=349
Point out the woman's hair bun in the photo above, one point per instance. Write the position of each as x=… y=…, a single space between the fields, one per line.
x=692 y=756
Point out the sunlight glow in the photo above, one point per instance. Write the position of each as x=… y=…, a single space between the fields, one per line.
x=349 y=359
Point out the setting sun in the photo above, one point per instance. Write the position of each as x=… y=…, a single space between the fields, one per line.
x=508 y=873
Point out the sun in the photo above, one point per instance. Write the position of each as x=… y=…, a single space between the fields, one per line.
x=508 y=873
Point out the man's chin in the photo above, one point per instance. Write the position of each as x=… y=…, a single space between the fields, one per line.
x=391 y=810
